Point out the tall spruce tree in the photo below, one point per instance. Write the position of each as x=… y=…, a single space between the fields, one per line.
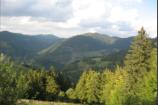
x=137 y=64
x=137 y=58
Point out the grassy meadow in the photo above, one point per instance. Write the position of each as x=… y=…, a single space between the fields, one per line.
x=35 y=102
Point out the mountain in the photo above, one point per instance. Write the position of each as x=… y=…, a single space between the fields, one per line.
x=75 y=48
x=71 y=56
x=48 y=50
x=22 y=46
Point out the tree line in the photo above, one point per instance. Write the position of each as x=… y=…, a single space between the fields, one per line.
x=134 y=83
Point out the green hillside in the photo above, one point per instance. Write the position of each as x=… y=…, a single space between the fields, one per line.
x=71 y=56
x=98 y=63
x=78 y=47
x=23 y=46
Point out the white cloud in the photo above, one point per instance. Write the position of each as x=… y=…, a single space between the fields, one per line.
x=89 y=9
x=119 y=14
x=69 y=17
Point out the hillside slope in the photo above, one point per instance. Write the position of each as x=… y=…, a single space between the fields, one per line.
x=22 y=46
x=78 y=47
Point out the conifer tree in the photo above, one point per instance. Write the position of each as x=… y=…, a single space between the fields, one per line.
x=148 y=88
x=113 y=87
x=93 y=87
x=80 y=89
x=106 y=87
x=136 y=60
x=137 y=64
x=88 y=87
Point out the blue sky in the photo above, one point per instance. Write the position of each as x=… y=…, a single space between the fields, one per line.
x=66 y=18
x=149 y=8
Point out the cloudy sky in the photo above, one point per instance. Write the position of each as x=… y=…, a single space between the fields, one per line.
x=66 y=18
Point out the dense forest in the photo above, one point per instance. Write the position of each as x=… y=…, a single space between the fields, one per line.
x=132 y=82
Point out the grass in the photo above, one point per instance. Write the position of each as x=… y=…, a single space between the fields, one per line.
x=35 y=102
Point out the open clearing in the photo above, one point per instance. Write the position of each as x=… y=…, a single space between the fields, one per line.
x=34 y=102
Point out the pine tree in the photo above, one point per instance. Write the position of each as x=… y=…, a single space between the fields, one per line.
x=80 y=89
x=107 y=86
x=113 y=87
x=137 y=58
x=137 y=65
x=88 y=87
x=148 y=88
x=93 y=87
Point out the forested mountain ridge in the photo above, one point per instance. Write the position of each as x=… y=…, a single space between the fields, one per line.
x=71 y=56
x=64 y=53
x=81 y=46
x=22 y=46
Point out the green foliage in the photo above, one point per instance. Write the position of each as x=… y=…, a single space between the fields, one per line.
x=137 y=59
x=52 y=88
x=8 y=89
x=138 y=65
x=88 y=87
x=61 y=94
x=148 y=88
x=98 y=63
x=41 y=85
x=63 y=81
x=22 y=85
x=134 y=84
x=20 y=82
x=153 y=60
x=113 y=87
x=80 y=89
x=70 y=93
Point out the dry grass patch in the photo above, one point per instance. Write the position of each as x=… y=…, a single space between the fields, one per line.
x=35 y=102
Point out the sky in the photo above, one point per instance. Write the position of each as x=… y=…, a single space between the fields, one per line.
x=66 y=18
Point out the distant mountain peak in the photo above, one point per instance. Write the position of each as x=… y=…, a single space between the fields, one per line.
x=40 y=35
x=95 y=34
